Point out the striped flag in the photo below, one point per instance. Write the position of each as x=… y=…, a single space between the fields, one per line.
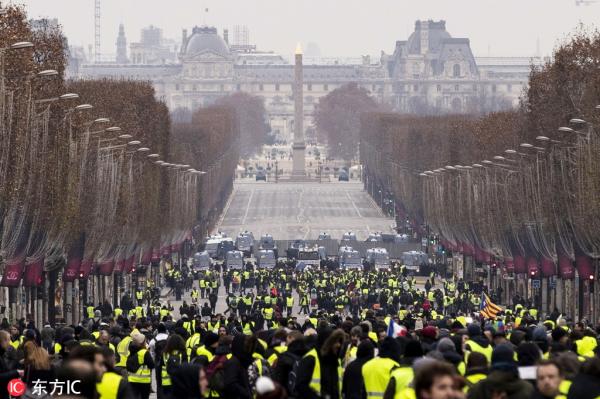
x=488 y=309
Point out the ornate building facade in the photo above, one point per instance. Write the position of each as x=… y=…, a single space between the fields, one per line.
x=430 y=72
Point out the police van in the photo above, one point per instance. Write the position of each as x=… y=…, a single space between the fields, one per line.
x=267 y=242
x=309 y=257
x=349 y=236
x=202 y=261
x=234 y=260
x=378 y=258
x=350 y=259
x=413 y=260
x=245 y=243
x=211 y=245
x=266 y=259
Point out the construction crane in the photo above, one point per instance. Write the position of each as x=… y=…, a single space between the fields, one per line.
x=97 y=31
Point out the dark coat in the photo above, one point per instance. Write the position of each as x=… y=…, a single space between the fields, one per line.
x=501 y=381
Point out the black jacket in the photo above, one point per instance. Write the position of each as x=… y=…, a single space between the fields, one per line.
x=285 y=362
x=353 y=385
x=236 y=380
x=8 y=371
x=329 y=377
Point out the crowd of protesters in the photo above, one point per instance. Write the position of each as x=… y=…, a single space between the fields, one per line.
x=310 y=334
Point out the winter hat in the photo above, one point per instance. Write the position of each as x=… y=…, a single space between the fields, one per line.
x=390 y=348
x=446 y=345
x=503 y=358
x=539 y=334
x=474 y=330
x=210 y=338
x=413 y=349
x=528 y=354
x=429 y=332
x=558 y=333
x=264 y=385
x=138 y=339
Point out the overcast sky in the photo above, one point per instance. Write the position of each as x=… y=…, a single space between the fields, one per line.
x=338 y=27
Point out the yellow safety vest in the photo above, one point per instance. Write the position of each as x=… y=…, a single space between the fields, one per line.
x=585 y=346
x=472 y=380
x=315 y=381
x=118 y=312
x=268 y=312
x=376 y=375
x=17 y=343
x=139 y=295
x=108 y=387
x=123 y=350
x=194 y=294
x=475 y=347
x=166 y=377
x=90 y=312
x=143 y=375
x=247 y=328
x=192 y=342
x=202 y=351
x=403 y=377
x=289 y=301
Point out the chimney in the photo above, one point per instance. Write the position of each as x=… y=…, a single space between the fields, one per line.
x=183 y=38
x=424 y=37
x=226 y=35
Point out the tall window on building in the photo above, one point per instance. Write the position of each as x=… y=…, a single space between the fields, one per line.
x=456 y=71
x=493 y=88
x=260 y=87
x=509 y=88
x=177 y=87
x=238 y=87
x=276 y=86
x=439 y=88
x=325 y=87
x=415 y=87
x=309 y=87
x=456 y=87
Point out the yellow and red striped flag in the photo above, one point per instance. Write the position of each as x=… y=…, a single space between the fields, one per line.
x=488 y=309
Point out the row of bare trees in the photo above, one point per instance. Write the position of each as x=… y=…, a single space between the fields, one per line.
x=523 y=185
x=89 y=170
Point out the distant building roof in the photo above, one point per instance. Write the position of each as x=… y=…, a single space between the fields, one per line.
x=206 y=38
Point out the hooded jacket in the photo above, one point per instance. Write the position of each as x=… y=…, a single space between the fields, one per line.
x=285 y=362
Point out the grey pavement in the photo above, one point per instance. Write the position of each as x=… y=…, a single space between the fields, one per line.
x=301 y=211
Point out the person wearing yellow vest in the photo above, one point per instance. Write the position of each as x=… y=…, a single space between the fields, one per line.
x=206 y=352
x=112 y=385
x=376 y=372
x=477 y=342
x=320 y=372
x=289 y=304
x=139 y=295
x=172 y=357
x=139 y=366
x=477 y=370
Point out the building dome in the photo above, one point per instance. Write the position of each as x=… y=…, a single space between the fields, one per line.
x=206 y=39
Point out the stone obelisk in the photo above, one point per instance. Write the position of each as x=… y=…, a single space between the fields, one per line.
x=298 y=147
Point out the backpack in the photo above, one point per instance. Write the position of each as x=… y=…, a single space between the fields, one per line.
x=216 y=375
x=253 y=372
x=133 y=363
x=293 y=376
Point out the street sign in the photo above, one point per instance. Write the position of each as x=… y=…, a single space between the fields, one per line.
x=553 y=283
x=423 y=242
x=536 y=283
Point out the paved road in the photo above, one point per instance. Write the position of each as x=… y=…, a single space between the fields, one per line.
x=292 y=211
